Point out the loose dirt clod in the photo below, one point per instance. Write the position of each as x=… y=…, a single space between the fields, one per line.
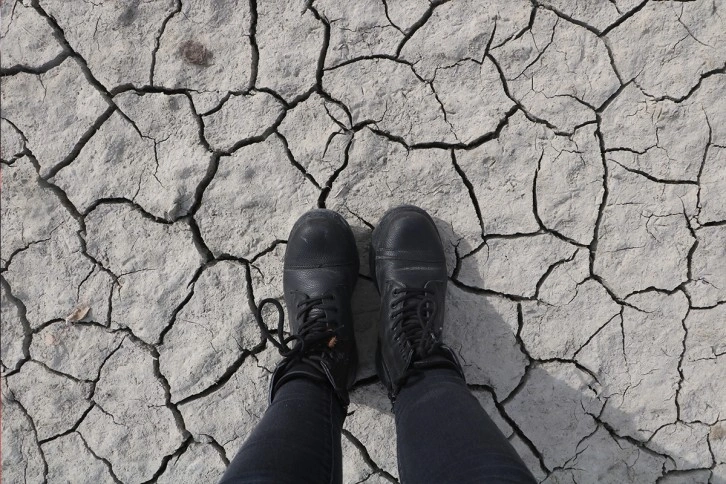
x=79 y=312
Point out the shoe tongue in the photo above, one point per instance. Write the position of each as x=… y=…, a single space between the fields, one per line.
x=314 y=290
x=315 y=312
x=420 y=353
x=319 y=313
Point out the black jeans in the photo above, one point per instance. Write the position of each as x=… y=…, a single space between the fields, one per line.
x=444 y=436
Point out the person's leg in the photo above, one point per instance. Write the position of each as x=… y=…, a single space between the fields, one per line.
x=445 y=436
x=297 y=440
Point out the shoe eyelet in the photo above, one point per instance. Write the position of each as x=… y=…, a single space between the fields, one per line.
x=395 y=291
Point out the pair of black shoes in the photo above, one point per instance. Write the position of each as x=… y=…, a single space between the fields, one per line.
x=408 y=267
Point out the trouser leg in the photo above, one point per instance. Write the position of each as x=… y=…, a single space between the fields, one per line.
x=297 y=440
x=445 y=436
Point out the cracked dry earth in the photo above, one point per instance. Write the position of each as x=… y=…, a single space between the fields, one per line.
x=155 y=154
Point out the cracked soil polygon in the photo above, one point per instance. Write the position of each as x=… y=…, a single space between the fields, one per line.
x=148 y=152
x=20 y=54
x=211 y=331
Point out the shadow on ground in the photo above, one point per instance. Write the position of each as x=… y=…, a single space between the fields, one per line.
x=551 y=410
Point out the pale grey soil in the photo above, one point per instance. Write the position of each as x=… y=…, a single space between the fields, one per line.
x=156 y=153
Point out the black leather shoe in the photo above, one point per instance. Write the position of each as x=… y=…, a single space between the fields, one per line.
x=320 y=272
x=408 y=266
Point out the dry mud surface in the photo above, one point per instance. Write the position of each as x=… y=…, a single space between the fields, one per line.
x=155 y=154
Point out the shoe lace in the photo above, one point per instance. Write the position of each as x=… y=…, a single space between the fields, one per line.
x=414 y=321
x=316 y=335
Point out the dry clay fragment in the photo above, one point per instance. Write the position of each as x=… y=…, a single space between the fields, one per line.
x=77 y=350
x=708 y=268
x=482 y=330
x=54 y=402
x=389 y=93
x=514 y=265
x=254 y=200
x=22 y=460
x=199 y=463
x=154 y=263
x=130 y=425
x=636 y=360
x=643 y=236
x=357 y=28
x=70 y=460
x=13 y=144
x=667 y=46
x=149 y=151
x=559 y=71
x=78 y=313
x=554 y=409
x=315 y=138
x=12 y=343
x=372 y=424
x=30 y=212
x=237 y=405
x=241 y=119
x=701 y=397
x=604 y=458
x=116 y=39
x=462 y=30
x=289 y=39
x=27 y=38
x=53 y=110
x=52 y=275
x=664 y=139
x=210 y=332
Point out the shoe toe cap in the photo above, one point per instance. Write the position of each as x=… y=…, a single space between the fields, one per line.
x=410 y=229
x=320 y=238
